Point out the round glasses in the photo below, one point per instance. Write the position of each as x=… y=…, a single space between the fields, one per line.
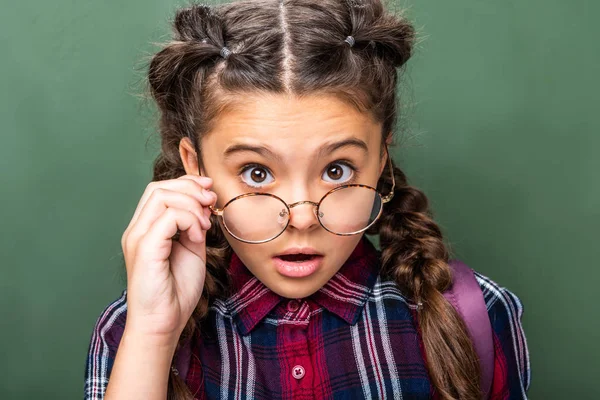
x=261 y=217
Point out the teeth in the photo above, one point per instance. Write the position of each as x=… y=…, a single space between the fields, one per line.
x=300 y=268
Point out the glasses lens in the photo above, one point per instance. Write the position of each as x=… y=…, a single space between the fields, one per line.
x=350 y=210
x=255 y=218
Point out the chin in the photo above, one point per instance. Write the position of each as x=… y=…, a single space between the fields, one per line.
x=295 y=290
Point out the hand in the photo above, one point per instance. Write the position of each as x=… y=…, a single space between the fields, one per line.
x=165 y=277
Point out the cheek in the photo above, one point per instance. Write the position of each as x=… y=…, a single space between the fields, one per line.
x=225 y=184
x=250 y=254
x=340 y=247
x=375 y=172
x=241 y=249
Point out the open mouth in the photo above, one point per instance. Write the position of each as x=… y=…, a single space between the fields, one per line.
x=297 y=257
x=297 y=264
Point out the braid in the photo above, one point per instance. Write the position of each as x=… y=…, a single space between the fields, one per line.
x=414 y=255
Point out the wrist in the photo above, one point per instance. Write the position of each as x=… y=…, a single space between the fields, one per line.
x=142 y=365
x=151 y=341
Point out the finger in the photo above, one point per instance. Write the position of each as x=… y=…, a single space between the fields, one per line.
x=184 y=265
x=158 y=238
x=188 y=184
x=162 y=199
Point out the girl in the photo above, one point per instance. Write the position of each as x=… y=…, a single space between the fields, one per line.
x=249 y=246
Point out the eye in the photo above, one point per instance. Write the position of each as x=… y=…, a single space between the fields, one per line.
x=255 y=175
x=338 y=172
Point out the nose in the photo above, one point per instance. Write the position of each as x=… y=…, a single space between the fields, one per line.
x=303 y=215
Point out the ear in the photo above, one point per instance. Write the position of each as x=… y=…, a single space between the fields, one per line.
x=189 y=157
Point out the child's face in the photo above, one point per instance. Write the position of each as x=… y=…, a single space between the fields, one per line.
x=293 y=131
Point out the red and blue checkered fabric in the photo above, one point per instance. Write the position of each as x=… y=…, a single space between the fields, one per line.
x=355 y=338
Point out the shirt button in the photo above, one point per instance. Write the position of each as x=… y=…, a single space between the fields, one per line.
x=298 y=372
x=293 y=305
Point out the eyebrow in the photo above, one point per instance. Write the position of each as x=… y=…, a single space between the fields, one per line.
x=266 y=152
x=242 y=147
x=350 y=142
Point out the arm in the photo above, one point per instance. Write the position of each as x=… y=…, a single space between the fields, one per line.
x=165 y=280
x=138 y=367
x=141 y=368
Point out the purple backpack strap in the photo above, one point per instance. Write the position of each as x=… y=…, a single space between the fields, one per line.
x=467 y=298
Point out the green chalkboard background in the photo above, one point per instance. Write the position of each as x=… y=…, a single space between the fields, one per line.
x=503 y=136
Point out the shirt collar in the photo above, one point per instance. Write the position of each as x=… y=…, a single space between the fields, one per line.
x=345 y=294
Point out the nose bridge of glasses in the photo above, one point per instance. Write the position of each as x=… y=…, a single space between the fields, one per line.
x=303 y=202
x=298 y=203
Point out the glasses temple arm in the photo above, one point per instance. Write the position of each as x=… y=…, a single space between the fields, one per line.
x=387 y=198
x=214 y=210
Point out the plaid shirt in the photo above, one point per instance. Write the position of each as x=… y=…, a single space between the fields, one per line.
x=355 y=338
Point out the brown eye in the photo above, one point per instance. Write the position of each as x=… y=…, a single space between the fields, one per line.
x=338 y=172
x=255 y=175
x=258 y=175
x=335 y=172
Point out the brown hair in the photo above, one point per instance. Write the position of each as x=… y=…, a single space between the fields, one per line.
x=298 y=47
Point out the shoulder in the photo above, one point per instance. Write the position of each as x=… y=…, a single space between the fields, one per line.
x=504 y=307
x=499 y=298
x=105 y=339
x=505 y=311
x=111 y=322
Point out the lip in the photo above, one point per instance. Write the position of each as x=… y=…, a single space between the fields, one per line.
x=293 y=269
x=299 y=250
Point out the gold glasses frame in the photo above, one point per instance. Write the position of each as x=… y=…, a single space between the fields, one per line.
x=384 y=199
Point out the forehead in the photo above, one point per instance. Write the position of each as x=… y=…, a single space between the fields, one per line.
x=288 y=123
